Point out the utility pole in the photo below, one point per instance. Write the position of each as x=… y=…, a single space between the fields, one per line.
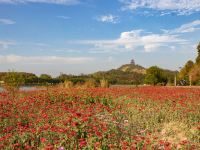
x=175 y=80
x=190 y=78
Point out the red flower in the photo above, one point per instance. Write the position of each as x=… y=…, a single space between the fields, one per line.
x=82 y=142
x=97 y=144
x=43 y=140
x=16 y=145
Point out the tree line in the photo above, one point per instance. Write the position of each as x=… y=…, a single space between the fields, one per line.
x=188 y=75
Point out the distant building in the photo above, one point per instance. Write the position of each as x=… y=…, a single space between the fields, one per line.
x=132 y=61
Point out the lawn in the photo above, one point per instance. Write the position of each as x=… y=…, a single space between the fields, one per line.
x=161 y=118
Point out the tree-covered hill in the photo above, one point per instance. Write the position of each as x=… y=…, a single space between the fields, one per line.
x=126 y=74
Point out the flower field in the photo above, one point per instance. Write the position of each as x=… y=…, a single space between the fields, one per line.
x=162 y=118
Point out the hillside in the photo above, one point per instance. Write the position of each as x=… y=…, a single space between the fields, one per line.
x=129 y=74
x=126 y=74
x=132 y=68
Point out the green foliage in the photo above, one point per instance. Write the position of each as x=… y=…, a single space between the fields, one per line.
x=128 y=74
x=64 y=77
x=30 y=78
x=192 y=70
x=116 y=76
x=186 y=71
x=76 y=80
x=170 y=76
x=198 y=57
x=45 y=78
x=195 y=74
x=13 y=80
x=155 y=76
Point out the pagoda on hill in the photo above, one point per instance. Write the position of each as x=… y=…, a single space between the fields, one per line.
x=132 y=62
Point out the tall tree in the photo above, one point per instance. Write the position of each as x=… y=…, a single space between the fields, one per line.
x=155 y=75
x=198 y=57
x=185 y=71
x=195 y=75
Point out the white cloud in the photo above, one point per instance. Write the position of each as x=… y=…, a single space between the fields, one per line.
x=186 y=28
x=43 y=59
x=108 y=18
x=63 y=17
x=181 y=7
x=131 y=40
x=6 y=21
x=62 y=2
x=5 y=44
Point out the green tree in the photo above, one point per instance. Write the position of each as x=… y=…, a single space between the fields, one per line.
x=185 y=71
x=195 y=74
x=198 y=57
x=45 y=78
x=155 y=76
x=64 y=77
x=30 y=78
x=13 y=80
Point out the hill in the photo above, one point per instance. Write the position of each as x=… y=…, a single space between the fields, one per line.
x=129 y=74
x=132 y=68
x=126 y=74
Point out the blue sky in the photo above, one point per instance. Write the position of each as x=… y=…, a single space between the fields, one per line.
x=84 y=36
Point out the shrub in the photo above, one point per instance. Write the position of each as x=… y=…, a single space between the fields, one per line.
x=68 y=84
x=91 y=83
x=13 y=81
x=104 y=83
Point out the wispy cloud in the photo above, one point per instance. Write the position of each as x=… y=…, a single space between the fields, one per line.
x=185 y=28
x=181 y=7
x=43 y=59
x=6 y=44
x=108 y=18
x=61 y=2
x=6 y=21
x=132 y=40
x=63 y=17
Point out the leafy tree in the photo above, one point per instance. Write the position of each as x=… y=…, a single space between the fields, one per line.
x=186 y=70
x=13 y=80
x=45 y=78
x=30 y=78
x=64 y=77
x=198 y=57
x=195 y=74
x=170 y=76
x=155 y=76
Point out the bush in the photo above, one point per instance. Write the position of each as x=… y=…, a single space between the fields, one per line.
x=104 y=83
x=68 y=84
x=91 y=83
x=13 y=81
